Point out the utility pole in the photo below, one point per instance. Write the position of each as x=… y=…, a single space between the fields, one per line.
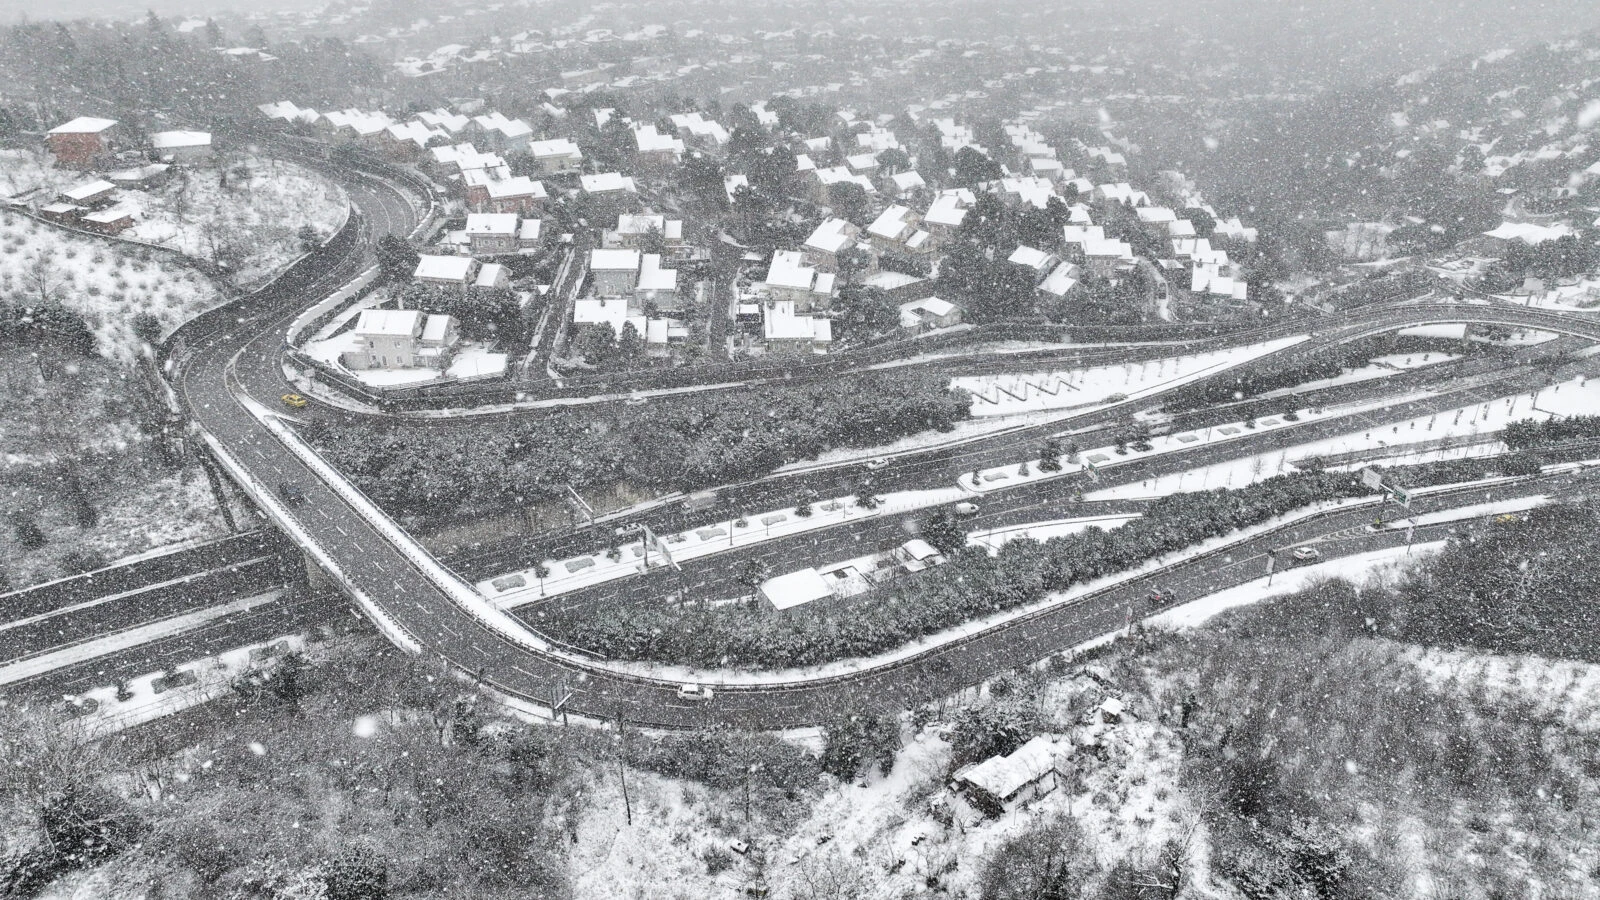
x=622 y=767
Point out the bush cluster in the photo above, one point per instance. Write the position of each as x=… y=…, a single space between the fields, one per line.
x=683 y=443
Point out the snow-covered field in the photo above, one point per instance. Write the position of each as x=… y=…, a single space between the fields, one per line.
x=109 y=284
x=1579 y=396
x=135 y=516
x=255 y=219
x=1003 y=395
x=1380 y=367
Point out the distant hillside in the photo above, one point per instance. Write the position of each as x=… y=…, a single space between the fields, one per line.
x=1438 y=143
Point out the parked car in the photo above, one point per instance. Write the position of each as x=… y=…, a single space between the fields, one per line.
x=692 y=691
x=294 y=401
x=1307 y=554
x=966 y=509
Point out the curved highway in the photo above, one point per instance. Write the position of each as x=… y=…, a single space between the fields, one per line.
x=419 y=609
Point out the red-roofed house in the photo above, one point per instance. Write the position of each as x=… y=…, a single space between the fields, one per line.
x=83 y=142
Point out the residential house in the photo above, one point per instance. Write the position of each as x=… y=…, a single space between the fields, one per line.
x=456 y=159
x=785 y=329
x=453 y=271
x=862 y=163
x=945 y=215
x=928 y=314
x=400 y=339
x=656 y=287
x=1156 y=215
x=184 y=148
x=452 y=124
x=1036 y=261
x=1232 y=228
x=705 y=133
x=897 y=230
x=615 y=272
x=831 y=238
x=408 y=139
x=907 y=183
x=61 y=213
x=530 y=234
x=1103 y=258
x=492 y=233
x=790 y=278
x=556 y=157
x=495 y=190
x=1000 y=784
x=1047 y=168
x=84 y=142
x=492 y=275
x=610 y=192
x=1060 y=282
x=1033 y=191
x=654 y=150
x=617 y=312
x=501 y=133
x=1121 y=192
x=645 y=232
x=824 y=179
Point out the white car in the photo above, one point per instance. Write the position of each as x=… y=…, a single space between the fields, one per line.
x=876 y=463
x=693 y=691
x=1307 y=554
x=966 y=509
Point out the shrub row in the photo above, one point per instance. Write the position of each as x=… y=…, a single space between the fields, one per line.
x=973 y=584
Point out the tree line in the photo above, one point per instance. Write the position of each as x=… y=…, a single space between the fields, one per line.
x=971 y=585
x=679 y=443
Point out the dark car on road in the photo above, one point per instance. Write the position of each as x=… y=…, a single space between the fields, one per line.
x=291 y=493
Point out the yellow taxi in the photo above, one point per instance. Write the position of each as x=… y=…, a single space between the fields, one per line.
x=294 y=401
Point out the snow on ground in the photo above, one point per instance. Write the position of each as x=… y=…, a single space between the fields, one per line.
x=878 y=838
x=995 y=538
x=471 y=361
x=476 y=361
x=1380 y=367
x=1498 y=507
x=148 y=696
x=520 y=587
x=105 y=282
x=1001 y=395
x=1574 y=397
x=1359 y=568
x=135 y=516
x=1564 y=689
x=1583 y=296
x=1445 y=332
x=258 y=214
x=974 y=626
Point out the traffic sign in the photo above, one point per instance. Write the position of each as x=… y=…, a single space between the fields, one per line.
x=1372 y=479
x=1094 y=473
x=1401 y=496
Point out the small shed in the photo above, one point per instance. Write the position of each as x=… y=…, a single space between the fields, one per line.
x=109 y=221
